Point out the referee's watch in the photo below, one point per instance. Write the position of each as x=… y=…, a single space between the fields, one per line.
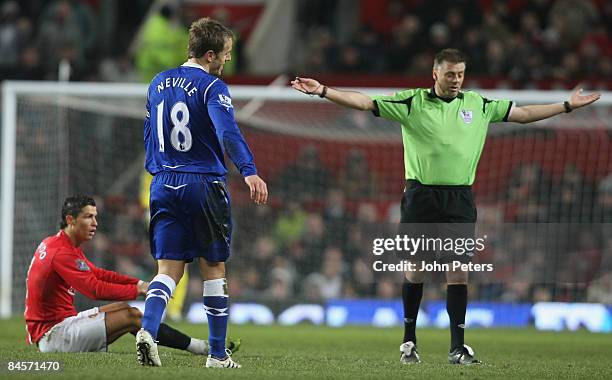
x=323 y=92
x=567 y=106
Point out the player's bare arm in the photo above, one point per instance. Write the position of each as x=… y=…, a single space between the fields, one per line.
x=527 y=114
x=258 y=188
x=352 y=99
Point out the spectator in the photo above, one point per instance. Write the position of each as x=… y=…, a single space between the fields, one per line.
x=474 y=47
x=527 y=191
x=252 y=281
x=14 y=34
x=575 y=19
x=30 y=67
x=321 y=50
x=282 y=279
x=573 y=201
x=600 y=290
x=335 y=217
x=290 y=224
x=405 y=40
x=350 y=60
x=162 y=44
x=604 y=201
x=305 y=178
x=327 y=283
x=263 y=254
x=66 y=34
x=439 y=36
x=370 y=50
x=498 y=63
x=456 y=26
x=386 y=289
x=356 y=180
x=314 y=238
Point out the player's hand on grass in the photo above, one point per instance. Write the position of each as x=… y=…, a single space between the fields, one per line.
x=259 y=189
x=143 y=286
x=307 y=85
x=578 y=100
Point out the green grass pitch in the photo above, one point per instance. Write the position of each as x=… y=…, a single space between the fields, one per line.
x=309 y=352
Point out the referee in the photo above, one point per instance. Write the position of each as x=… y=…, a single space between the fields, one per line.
x=443 y=131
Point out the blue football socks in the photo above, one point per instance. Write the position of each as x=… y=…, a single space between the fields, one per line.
x=216 y=303
x=160 y=290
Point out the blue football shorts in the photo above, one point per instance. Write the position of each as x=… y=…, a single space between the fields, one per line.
x=190 y=217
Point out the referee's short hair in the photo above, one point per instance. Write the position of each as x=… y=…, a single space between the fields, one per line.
x=450 y=56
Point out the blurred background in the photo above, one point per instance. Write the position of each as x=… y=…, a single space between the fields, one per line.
x=335 y=176
x=510 y=44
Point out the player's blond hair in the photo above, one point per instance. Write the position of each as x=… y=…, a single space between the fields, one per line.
x=207 y=34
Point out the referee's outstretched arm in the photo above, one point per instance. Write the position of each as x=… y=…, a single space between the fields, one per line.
x=523 y=114
x=527 y=114
x=352 y=99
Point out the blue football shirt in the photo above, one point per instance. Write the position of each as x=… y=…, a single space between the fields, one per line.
x=190 y=124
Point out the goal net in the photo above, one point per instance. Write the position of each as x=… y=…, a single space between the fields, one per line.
x=335 y=177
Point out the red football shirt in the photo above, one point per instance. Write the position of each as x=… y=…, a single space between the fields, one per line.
x=58 y=270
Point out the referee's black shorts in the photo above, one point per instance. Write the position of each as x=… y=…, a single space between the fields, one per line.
x=438 y=211
x=437 y=204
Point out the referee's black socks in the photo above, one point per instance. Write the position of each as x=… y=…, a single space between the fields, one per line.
x=411 y=297
x=456 y=305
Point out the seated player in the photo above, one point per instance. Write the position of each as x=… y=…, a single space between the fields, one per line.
x=59 y=268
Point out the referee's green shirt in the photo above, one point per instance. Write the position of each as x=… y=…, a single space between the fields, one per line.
x=443 y=139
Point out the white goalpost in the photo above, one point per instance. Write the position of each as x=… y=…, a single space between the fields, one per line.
x=61 y=138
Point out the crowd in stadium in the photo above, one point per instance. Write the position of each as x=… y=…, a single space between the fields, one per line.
x=324 y=251
x=35 y=38
x=522 y=41
x=317 y=247
x=518 y=40
x=318 y=240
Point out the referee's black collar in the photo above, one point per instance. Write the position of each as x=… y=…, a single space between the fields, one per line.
x=432 y=95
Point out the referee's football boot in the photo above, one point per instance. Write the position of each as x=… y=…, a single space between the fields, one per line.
x=463 y=355
x=409 y=354
x=146 y=349
x=227 y=362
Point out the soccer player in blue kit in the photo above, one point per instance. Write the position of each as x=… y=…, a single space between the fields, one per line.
x=189 y=125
